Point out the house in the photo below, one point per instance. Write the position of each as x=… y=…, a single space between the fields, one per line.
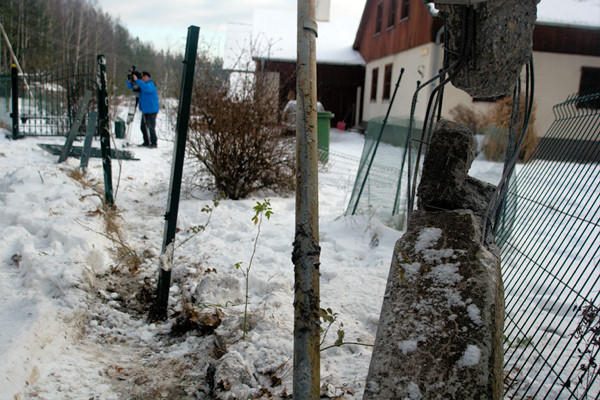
x=340 y=69
x=395 y=34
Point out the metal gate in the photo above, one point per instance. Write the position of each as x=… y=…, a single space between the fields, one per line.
x=49 y=100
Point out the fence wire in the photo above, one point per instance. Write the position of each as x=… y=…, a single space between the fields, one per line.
x=377 y=188
x=549 y=237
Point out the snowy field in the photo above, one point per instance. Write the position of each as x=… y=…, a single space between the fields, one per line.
x=70 y=326
x=72 y=320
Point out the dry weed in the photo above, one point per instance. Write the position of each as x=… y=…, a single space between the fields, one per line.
x=496 y=139
x=124 y=253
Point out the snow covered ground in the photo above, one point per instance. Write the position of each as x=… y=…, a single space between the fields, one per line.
x=72 y=317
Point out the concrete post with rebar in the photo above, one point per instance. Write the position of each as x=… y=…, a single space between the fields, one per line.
x=440 y=330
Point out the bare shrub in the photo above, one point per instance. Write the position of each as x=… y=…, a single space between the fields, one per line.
x=475 y=121
x=234 y=132
x=496 y=139
x=495 y=142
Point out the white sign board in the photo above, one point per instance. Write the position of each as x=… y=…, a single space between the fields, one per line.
x=322 y=10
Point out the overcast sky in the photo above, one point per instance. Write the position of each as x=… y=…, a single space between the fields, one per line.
x=164 y=23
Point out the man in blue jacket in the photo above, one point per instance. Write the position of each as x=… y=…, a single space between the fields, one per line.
x=148 y=106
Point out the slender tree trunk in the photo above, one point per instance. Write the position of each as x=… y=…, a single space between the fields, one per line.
x=306 y=241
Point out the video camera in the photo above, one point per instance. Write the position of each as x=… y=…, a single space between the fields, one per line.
x=132 y=71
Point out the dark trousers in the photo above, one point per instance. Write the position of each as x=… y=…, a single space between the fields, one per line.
x=148 y=127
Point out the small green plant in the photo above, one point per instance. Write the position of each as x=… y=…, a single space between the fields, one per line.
x=194 y=230
x=328 y=318
x=261 y=209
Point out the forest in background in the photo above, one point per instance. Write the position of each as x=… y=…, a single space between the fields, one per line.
x=50 y=33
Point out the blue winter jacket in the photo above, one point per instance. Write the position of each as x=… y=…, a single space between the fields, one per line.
x=148 y=96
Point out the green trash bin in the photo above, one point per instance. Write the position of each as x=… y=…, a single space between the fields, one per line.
x=119 y=128
x=323 y=124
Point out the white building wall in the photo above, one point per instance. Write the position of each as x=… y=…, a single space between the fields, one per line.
x=556 y=77
x=417 y=63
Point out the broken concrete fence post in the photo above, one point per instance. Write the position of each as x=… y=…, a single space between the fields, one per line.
x=445 y=183
x=441 y=324
x=494 y=47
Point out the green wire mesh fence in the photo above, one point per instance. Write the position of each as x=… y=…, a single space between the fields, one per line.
x=377 y=189
x=551 y=261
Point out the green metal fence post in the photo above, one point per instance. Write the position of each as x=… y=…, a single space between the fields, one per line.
x=103 y=129
x=14 y=75
x=159 y=310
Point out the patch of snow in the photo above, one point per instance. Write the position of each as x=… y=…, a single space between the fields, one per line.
x=219 y=289
x=474 y=314
x=408 y=346
x=470 y=357
x=410 y=270
x=435 y=255
x=445 y=274
x=414 y=393
x=428 y=237
x=453 y=298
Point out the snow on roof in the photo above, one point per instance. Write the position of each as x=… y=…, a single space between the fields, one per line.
x=278 y=29
x=563 y=12
x=569 y=12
